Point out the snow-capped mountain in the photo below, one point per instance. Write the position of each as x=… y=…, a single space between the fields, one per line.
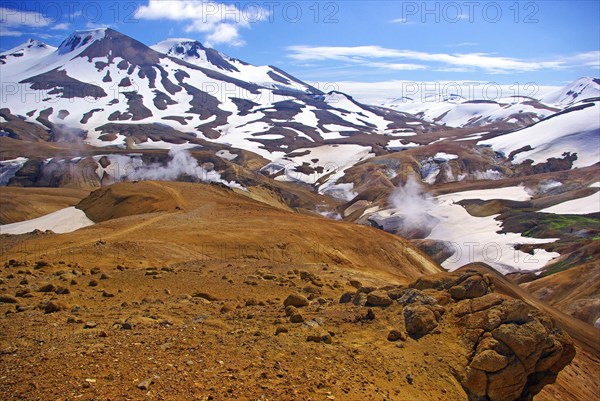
x=456 y=111
x=575 y=130
x=20 y=58
x=108 y=88
x=513 y=112
x=581 y=89
x=194 y=52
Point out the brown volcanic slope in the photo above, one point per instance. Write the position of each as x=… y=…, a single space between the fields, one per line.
x=18 y=204
x=579 y=381
x=196 y=221
x=185 y=303
x=575 y=291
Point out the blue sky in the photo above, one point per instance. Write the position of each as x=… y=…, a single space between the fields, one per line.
x=545 y=42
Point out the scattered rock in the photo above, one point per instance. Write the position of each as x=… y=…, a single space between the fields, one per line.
x=55 y=306
x=8 y=299
x=346 y=297
x=419 y=320
x=47 y=288
x=145 y=384
x=356 y=284
x=367 y=289
x=93 y=283
x=296 y=300
x=73 y=319
x=280 y=330
x=324 y=338
x=378 y=298
x=23 y=293
x=296 y=318
x=205 y=296
x=90 y=325
x=395 y=335
x=360 y=299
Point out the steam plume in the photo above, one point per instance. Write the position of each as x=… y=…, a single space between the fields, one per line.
x=412 y=204
x=181 y=163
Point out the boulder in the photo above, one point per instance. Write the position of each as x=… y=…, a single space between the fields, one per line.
x=419 y=320
x=378 y=298
x=296 y=300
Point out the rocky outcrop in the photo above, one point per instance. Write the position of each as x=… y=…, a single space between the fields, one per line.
x=516 y=350
x=511 y=349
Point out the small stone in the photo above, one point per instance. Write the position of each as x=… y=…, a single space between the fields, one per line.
x=296 y=318
x=104 y=276
x=8 y=299
x=90 y=325
x=144 y=384
x=227 y=307
x=93 y=283
x=126 y=326
x=107 y=294
x=378 y=298
x=409 y=378
x=280 y=330
x=356 y=284
x=205 y=296
x=346 y=297
x=54 y=306
x=395 y=335
x=296 y=300
x=47 y=288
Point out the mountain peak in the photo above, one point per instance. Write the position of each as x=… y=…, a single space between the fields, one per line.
x=30 y=44
x=193 y=51
x=580 y=89
x=82 y=39
x=169 y=44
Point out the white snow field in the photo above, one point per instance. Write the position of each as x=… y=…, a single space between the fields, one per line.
x=585 y=205
x=62 y=221
x=575 y=131
x=476 y=239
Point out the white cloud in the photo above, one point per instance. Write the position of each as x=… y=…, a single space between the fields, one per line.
x=220 y=22
x=397 y=66
x=589 y=59
x=403 y=21
x=463 y=44
x=225 y=33
x=11 y=21
x=92 y=25
x=4 y=31
x=485 y=62
x=15 y=18
x=61 y=27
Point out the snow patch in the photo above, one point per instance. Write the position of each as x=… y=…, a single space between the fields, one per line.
x=62 y=221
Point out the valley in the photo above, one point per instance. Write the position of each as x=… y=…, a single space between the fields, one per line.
x=178 y=224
